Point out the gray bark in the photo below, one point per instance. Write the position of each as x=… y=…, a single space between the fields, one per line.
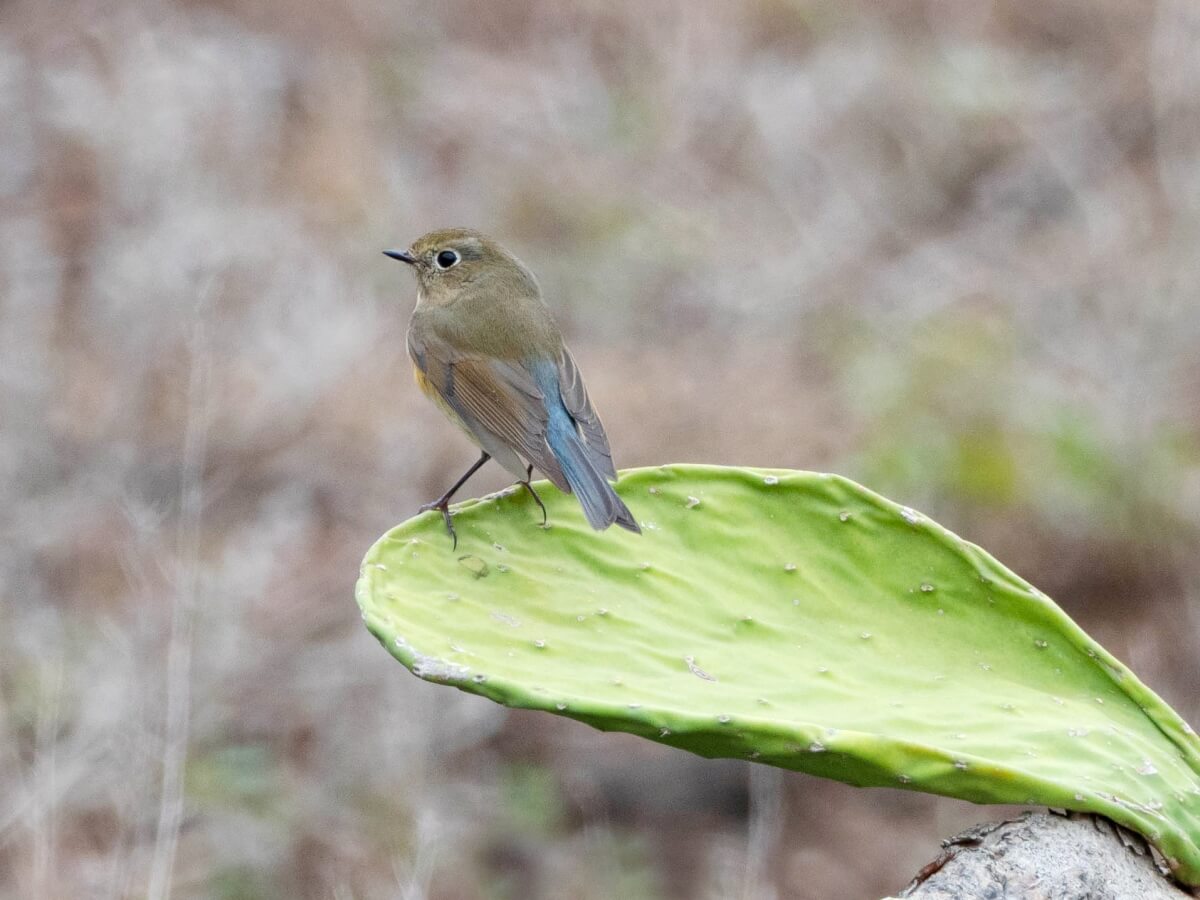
x=1046 y=856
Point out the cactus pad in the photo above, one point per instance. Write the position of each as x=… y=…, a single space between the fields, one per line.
x=795 y=619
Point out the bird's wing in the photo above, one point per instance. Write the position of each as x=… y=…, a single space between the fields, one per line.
x=497 y=400
x=575 y=398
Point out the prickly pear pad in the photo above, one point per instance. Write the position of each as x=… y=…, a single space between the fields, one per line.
x=793 y=618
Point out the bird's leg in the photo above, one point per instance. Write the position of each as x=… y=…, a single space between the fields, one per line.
x=443 y=502
x=536 y=499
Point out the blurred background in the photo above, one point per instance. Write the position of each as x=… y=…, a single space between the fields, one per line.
x=946 y=249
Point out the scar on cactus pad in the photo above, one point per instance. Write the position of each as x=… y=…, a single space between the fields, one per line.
x=795 y=619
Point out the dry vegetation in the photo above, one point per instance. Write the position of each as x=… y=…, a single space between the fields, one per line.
x=948 y=249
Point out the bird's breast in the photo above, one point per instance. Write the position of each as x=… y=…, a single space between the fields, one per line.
x=431 y=391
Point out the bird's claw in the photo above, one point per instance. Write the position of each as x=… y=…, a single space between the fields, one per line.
x=444 y=507
x=537 y=500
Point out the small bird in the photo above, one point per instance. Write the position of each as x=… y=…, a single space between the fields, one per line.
x=487 y=351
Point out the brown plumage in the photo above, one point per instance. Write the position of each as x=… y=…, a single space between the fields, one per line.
x=487 y=351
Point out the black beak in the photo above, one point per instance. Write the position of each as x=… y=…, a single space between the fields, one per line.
x=403 y=255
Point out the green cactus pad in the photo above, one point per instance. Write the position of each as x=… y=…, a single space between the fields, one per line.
x=792 y=618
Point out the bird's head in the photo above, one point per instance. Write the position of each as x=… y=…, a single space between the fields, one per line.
x=451 y=261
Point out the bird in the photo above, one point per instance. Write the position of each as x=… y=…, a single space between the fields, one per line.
x=486 y=349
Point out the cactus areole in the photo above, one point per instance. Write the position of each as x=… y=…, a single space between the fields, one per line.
x=796 y=619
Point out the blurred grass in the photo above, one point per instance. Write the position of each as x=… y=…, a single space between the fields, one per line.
x=945 y=249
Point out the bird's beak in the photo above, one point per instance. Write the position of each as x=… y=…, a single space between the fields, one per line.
x=403 y=255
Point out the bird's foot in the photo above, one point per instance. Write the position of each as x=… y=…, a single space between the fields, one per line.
x=443 y=504
x=536 y=499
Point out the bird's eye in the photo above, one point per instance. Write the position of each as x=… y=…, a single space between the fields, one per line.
x=446 y=259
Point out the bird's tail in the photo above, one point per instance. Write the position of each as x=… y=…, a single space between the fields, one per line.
x=600 y=502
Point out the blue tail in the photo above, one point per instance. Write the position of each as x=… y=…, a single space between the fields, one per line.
x=600 y=502
x=583 y=468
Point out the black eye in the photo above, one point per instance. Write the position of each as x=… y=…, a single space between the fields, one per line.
x=446 y=259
